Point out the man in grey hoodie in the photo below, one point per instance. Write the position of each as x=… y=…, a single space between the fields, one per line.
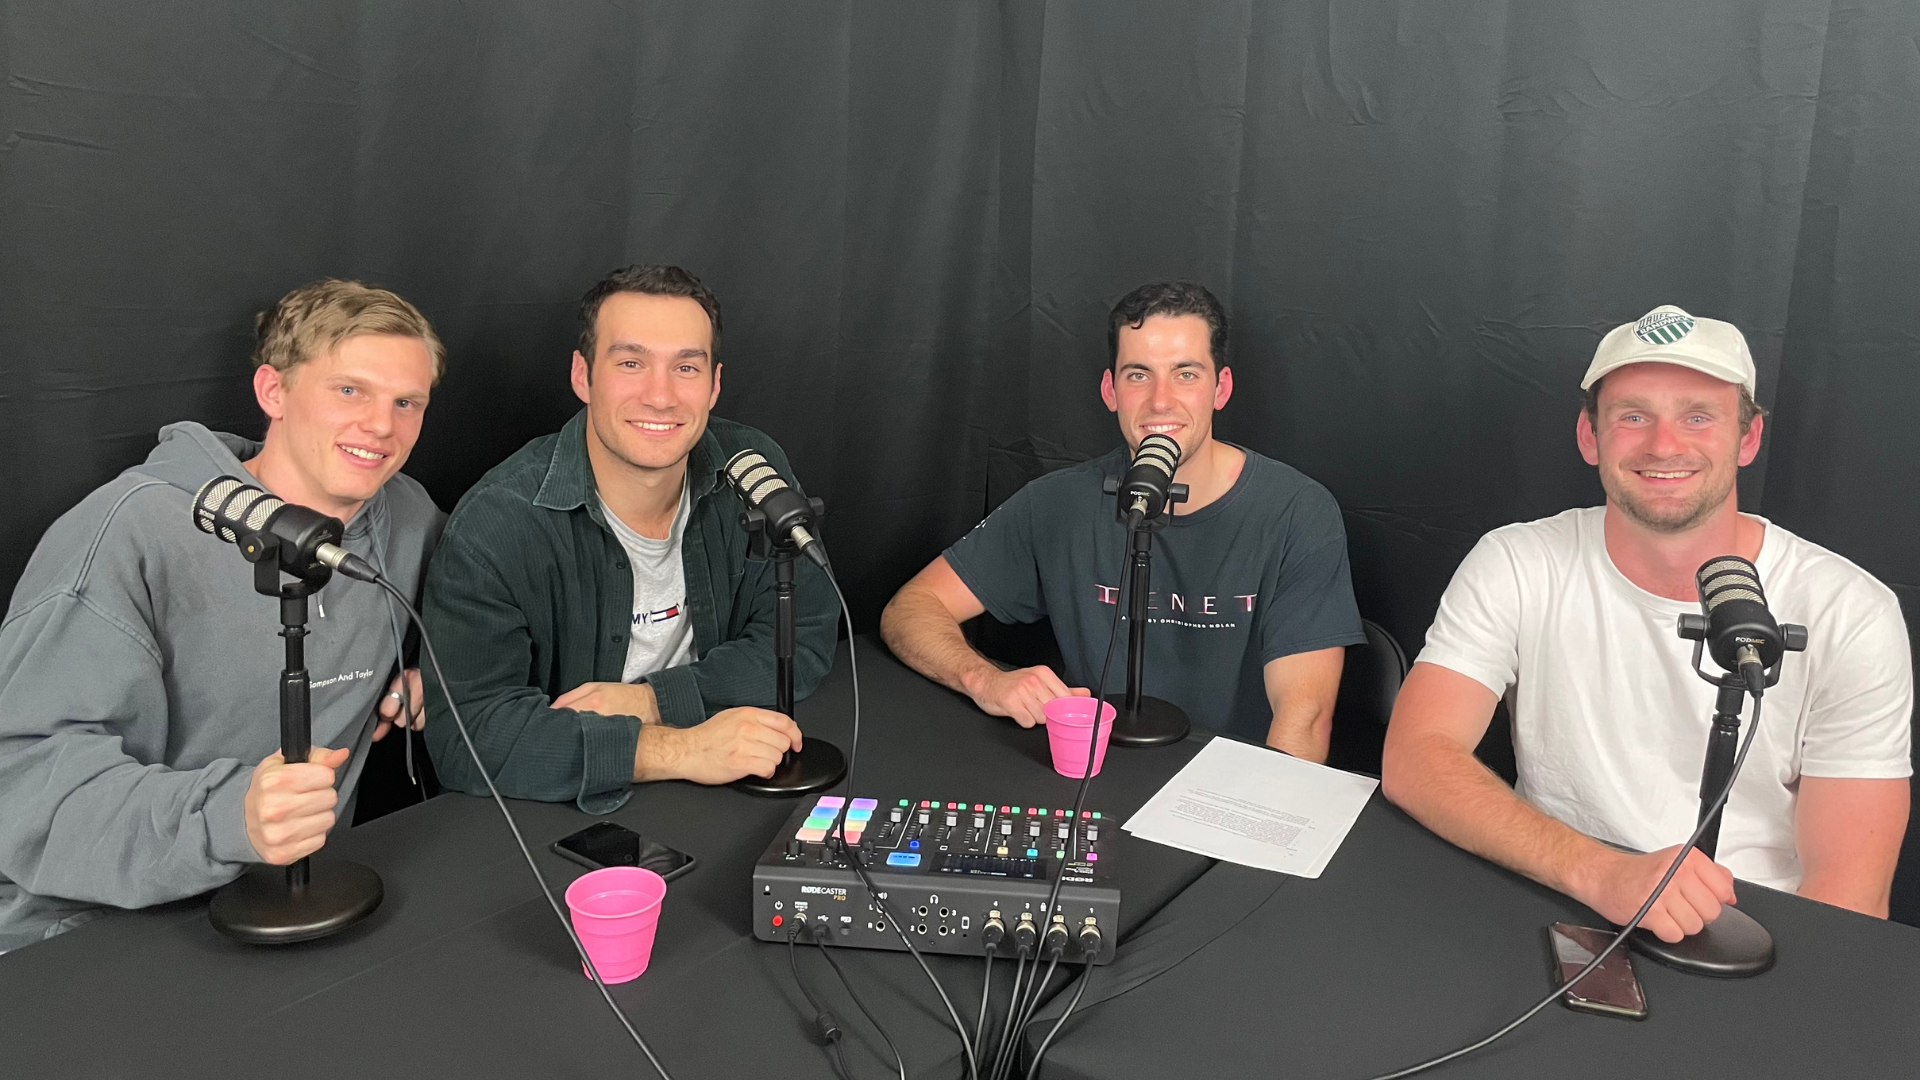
x=139 y=669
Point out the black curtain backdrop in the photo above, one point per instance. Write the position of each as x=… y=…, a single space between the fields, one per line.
x=1423 y=216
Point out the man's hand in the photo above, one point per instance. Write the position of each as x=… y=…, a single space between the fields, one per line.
x=289 y=808
x=731 y=744
x=403 y=693
x=612 y=699
x=1620 y=883
x=1021 y=694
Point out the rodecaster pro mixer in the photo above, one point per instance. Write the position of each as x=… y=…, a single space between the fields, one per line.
x=947 y=870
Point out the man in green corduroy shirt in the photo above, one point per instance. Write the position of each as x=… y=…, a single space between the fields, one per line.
x=592 y=599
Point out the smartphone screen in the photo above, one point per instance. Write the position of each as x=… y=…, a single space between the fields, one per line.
x=605 y=844
x=1612 y=988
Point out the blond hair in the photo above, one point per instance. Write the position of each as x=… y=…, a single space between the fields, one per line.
x=313 y=319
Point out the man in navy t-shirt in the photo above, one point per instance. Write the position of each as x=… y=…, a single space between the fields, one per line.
x=1251 y=603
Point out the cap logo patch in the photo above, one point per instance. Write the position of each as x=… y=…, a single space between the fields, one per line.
x=1663 y=327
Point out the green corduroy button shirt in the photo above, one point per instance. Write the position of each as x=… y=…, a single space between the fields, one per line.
x=529 y=595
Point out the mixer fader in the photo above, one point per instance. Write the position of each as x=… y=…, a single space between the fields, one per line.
x=946 y=868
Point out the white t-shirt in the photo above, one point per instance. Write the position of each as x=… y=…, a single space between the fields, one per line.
x=1609 y=721
x=662 y=633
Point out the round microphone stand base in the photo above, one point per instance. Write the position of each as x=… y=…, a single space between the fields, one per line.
x=816 y=768
x=261 y=908
x=1156 y=723
x=1732 y=946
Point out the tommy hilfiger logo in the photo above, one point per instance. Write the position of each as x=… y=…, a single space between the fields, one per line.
x=1178 y=604
x=655 y=618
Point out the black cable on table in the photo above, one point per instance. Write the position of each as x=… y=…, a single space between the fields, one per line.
x=1086 y=976
x=836 y=838
x=546 y=890
x=1093 y=746
x=1699 y=830
x=825 y=1025
x=986 y=988
x=1004 y=1069
x=819 y=939
x=1013 y=1003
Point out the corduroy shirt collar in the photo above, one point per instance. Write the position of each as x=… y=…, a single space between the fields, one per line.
x=568 y=483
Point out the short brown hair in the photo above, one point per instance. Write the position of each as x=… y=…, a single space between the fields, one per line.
x=1749 y=408
x=1169 y=298
x=653 y=281
x=312 y=319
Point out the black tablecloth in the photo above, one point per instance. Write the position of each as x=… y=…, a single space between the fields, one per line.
x=1407 y=947
x=463 y=971
x=1404 y=947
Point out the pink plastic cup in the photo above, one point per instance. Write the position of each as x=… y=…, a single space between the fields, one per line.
x=1069 y=727
x=615 y=911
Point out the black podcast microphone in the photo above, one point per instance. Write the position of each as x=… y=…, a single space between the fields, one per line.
x=241 y=513
x=1741 y=633
x=788 y=513
x=1145 y=488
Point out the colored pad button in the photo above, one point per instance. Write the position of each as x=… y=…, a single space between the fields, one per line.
x=831 y=802
x=903 y=858
x=859 y=814
x=865 y=804
x=810 y=836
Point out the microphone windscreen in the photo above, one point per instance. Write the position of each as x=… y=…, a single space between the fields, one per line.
x=226 y=507
x=1160 y=451
x=753 y=476
x=1726 y=578
x=207 y=503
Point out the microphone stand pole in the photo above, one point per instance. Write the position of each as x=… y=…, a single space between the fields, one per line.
x=820 y=765
x=1734 y=945
x=318 y=895
x=1143 y=720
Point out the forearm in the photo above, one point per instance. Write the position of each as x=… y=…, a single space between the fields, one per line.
x=919 y=630
x=1868 y=897
x=85 y=822
x=531 y=750
x=660 y=754
x=1303 y=729
x=1447 y=789
x=742 y=669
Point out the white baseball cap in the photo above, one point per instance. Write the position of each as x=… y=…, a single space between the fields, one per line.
x=1668 y=335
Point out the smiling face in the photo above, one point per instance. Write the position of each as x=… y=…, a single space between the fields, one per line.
x=652 y=380
x=1163 y=381
x=341 y=424
x=1668 y=444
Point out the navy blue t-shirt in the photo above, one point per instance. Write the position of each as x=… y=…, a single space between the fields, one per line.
x=1258 y=574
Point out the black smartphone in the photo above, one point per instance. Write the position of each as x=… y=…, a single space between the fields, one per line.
x=1612 y=989
x=603 y=844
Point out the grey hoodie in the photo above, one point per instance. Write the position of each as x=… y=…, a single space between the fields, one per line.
x=139 y=686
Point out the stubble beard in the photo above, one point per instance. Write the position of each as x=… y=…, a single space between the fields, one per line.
x=1668 y=521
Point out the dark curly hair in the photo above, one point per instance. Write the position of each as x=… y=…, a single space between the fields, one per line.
x=1169 y=298
x=654 y=281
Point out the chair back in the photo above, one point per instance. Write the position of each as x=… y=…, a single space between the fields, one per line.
x=1371 y=679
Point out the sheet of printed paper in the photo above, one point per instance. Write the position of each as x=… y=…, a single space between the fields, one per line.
x=1257 y=807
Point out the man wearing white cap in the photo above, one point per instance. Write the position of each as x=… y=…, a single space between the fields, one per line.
x=1571 y=619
